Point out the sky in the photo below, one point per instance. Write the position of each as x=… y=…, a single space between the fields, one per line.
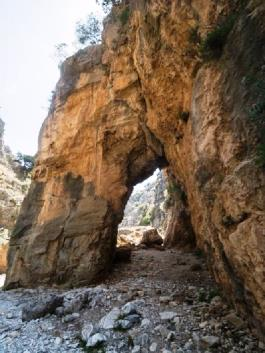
x=29 y=31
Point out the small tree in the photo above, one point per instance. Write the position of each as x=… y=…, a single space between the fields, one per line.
x=107 y=4
x=26 y=162
x=89 y=32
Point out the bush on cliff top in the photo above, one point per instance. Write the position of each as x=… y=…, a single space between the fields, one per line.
x=89 y=32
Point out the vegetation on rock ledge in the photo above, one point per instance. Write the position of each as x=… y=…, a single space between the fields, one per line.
x=212 y=46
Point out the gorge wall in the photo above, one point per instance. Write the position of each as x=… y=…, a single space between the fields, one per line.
x=146 y=99
x=13 y=187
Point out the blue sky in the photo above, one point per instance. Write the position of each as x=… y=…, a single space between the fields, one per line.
x=29 y=31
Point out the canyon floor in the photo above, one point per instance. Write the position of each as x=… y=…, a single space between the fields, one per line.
x=161 y=301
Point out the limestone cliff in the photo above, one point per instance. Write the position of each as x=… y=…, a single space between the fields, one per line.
x=13 y=187
x=144 y=99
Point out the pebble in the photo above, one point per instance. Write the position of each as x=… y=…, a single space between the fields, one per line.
x=109 y=321
x=136 y=349
x=129 y=308
x=153 y=347
x=145 y=323
x=71 y=317
x=167 y=315
x=58 y=341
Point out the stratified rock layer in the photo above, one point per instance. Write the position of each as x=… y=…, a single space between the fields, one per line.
x=118 y=114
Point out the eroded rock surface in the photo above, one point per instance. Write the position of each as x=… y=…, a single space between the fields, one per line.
x=142 y=100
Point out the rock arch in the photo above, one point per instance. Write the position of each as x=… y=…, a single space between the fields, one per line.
x=92 y=152
x=140 y=100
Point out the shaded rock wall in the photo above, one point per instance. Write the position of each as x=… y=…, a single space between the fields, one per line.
x=115 y=118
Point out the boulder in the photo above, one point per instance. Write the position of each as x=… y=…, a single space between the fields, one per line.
x=43 y=306
x=151 y=238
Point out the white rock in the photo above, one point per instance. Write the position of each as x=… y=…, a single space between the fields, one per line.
x=136 y=349
x=108 y=321
x=143 y=339
x=71 y=317
x=10 y=316
x=128 y=308
x=96 y=339
x=145 y=323
x=171 y=336
x=167 y=315
x=86 y=331
x=153 y=347
x=123 y=324
x=166 y=351
x=58 y=341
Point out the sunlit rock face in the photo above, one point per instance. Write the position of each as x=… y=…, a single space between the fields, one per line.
x=117 y=115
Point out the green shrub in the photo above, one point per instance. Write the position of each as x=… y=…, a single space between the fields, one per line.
x=145 y=221
x=124 y=16
x=89 y=32
x=194 y=36
x=172 y=188
x=107 y=4
x=175 y=189
x=130 y=342
x=199 y=253
x=184 y=116
x=26 y=162
x=212 y=46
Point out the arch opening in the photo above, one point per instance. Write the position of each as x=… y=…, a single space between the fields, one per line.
x=156 y=216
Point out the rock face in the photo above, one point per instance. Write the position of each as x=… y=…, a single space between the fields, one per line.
x=13 y=187
x=179 y=231
x=143 y=100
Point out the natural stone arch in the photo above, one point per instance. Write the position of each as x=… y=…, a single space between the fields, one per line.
x=92 y=152
x=142 y=97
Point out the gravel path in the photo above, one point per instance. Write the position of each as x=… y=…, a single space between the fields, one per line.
x=162 y=301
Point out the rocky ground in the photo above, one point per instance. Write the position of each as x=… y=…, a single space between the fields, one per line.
x=162 y=301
